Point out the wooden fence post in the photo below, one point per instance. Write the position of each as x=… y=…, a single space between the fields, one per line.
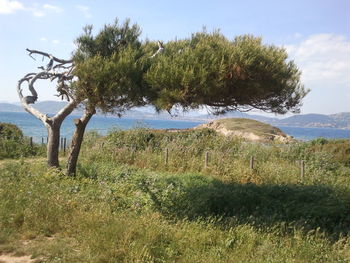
x=206 y=160
x=42 y=141
x=166 y=156
x=252 y=163
x=64 y=145
x=31 y=142
x=302 y=169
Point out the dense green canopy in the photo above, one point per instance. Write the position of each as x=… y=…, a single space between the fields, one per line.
x=208 y=69
x=109 y=68
x=116 y=71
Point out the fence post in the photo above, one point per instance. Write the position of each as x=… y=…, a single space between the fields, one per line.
x=302 y=169
x=31 y=142
x=252 y=162
x=206 y=160
x=42 y=141
x=64 y=145
x=166 y=156
x=62 y=139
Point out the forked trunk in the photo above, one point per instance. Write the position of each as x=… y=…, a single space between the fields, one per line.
x=77 y=139
x=56 y=69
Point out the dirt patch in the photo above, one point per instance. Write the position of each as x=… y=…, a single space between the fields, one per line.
x=15 y=259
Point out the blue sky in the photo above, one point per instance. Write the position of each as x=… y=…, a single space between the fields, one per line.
x=316 y=35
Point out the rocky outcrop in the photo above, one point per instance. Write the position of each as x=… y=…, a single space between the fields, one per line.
x=248 y=129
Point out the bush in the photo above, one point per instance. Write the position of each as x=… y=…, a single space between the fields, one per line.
x=13 y=144
x=10 y=131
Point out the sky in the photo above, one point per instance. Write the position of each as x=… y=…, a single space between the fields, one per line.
x=315 y=33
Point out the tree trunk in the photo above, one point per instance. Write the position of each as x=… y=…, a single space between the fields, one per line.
x=53 y=145
x=77 y=139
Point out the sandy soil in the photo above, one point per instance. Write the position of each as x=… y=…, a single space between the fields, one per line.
x=15 y=259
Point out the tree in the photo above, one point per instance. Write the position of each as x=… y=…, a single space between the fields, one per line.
x=114 y=71
x=58 y=70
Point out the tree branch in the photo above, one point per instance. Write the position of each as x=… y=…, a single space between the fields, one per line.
x=63 y=61
x=66 y=110
x=46 y=73
x=44 y=118
x=160 y=49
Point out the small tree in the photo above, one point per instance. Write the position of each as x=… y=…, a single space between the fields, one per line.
x=58 y=70
x=114 y=71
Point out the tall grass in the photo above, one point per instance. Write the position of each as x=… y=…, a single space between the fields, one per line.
x=228 y=158
x=127 y=205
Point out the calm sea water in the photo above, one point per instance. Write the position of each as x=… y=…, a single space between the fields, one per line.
x=34 y=128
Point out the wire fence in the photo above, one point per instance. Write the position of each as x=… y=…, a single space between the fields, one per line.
x=64 y=145
x=43 y=141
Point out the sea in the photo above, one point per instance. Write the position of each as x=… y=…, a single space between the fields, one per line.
x=33 y=127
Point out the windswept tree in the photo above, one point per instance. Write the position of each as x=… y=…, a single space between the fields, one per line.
x=114 y=71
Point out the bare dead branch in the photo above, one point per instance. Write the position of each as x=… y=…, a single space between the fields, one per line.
x=33 y=51
x=160 y=49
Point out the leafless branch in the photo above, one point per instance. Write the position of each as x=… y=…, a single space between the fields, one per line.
x=62 y=72
x=160 y=49
x=33 y=51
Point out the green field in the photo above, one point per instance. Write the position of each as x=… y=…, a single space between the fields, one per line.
x=128 y=204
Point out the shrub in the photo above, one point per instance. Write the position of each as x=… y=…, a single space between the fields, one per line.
x=13 y=144
x=10 y=131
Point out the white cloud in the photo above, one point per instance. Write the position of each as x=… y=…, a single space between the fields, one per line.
x=54 y=8
x=55 y=41
x=37 y=12
x=85 y=10
x=323 y=58
x=9 y=7
x=44 y=39
x=43 y=10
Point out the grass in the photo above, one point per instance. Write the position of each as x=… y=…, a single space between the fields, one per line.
x=127 y=205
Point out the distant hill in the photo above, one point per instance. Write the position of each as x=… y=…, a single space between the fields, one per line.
x=10 y=107
x=339 y=120
x=309 y=120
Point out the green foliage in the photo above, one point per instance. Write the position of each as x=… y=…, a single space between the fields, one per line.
x=10 y=131
x=109 y=68
x=339 y=150
x=111 y=39
x=14 y=145
x=208 y=69
x=205 y=69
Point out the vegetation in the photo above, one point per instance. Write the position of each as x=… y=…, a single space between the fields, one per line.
x=127 y=205
x=256 y=130
x=14 y=145
x=248 y=125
